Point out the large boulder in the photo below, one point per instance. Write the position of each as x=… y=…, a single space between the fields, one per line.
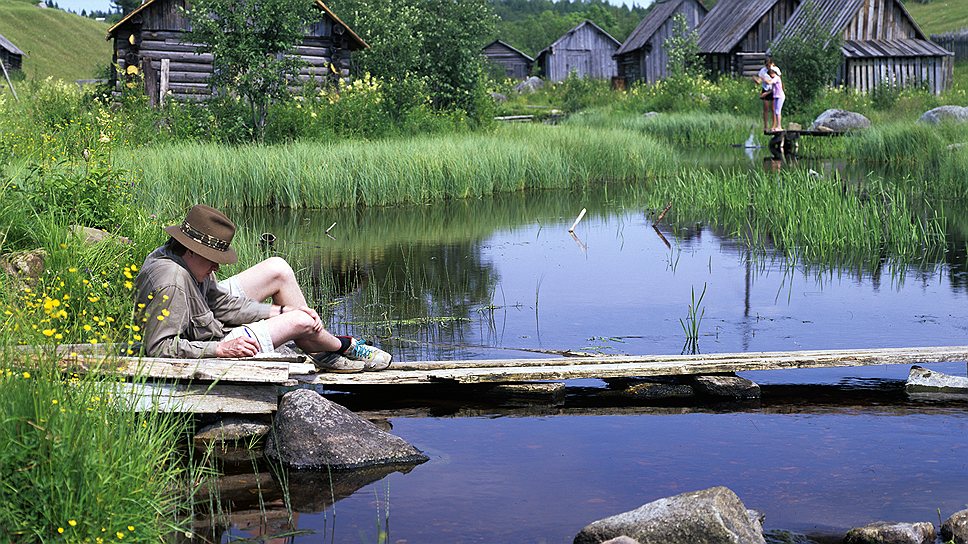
x=310 y=432
x=836 y=120
x=710 y=516
x=944 y=113
x=529 y=85
x=24 y=267
x=922 y=379
x=885 y=532
x=955 y=528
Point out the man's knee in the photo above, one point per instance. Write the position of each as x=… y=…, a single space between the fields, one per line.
x=278 y=269
x=301 y=323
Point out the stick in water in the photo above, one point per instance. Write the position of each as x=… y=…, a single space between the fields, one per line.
x=575 y=224
x=330 y=228
x=661 y=215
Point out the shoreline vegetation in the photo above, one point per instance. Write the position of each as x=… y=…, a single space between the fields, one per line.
x=71 y=157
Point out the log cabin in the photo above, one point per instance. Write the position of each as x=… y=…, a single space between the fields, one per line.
x=152 y=39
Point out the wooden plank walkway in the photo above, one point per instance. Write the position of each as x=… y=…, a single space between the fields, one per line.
x=251 y=385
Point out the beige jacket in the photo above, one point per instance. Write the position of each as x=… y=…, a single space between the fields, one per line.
x=193 y=316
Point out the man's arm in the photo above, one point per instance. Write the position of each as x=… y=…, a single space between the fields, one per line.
x=166 y=323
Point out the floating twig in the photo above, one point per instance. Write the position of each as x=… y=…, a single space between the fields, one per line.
x=661 y=237
x=663 y=214
x=575 y=224
x=330 y=228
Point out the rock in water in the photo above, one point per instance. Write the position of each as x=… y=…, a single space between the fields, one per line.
x=711 y=516
x=884 y=532
x=955 y=528
x=310 y=432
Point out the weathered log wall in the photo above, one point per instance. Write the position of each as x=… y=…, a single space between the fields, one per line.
x=158 y=32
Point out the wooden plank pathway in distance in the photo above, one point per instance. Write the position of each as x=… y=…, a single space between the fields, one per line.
x=566 y=368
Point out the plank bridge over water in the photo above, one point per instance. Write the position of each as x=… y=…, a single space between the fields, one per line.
x=253 y=385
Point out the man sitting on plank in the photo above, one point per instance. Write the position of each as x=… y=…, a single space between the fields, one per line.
x=189 y=314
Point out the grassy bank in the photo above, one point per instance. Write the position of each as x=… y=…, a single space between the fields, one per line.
x=58 y=44
x=418 y=170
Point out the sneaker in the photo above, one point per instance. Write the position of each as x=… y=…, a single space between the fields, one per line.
x=330 y=361
x=373 y=358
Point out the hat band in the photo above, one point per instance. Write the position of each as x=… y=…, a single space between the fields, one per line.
x=206 y=240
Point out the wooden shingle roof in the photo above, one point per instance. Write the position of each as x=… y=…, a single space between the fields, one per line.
x=509 y=47
x=9 y=46
x=319 y=4
x=893 y=48
x=660 y=12
x=728 y=21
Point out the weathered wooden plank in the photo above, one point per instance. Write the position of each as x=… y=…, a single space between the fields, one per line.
x=564 y=368
x=220 y=399
x=267 y=370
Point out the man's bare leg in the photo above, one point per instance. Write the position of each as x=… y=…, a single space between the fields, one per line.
x=274 y=279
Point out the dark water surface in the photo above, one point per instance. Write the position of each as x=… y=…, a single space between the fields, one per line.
x=481 y=279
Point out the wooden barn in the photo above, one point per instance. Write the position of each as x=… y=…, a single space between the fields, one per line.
x=643 y=56
x=586 y=50
x=10 y=55
x=151 y=40
x=516 y=64
x=882 y=44
x=735 y=35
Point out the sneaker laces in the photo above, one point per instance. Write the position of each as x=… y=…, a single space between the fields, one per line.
x=361 y=350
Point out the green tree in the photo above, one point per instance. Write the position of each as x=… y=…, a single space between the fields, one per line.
x=249 y=40
x=683 y=49
x=424 y=49
x=125 y=6
x=809 y=58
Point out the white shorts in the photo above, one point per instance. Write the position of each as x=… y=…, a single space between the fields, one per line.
x=258 y=330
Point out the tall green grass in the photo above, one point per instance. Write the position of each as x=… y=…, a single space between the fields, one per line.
x=683 y=129
x=821 y=220
x=418 y=170
x=78 y=464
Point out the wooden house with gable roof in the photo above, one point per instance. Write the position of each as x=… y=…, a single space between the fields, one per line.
x=10 y=55
x=883 y=45
x=516 y=64
x=586 y=50
x=643 y=56
x=152 y=40
x=735 y=35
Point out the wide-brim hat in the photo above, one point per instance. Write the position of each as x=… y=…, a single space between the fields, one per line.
x=207 y=232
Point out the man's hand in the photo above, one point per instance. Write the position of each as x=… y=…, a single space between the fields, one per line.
x=242 y=346
x=317 y=322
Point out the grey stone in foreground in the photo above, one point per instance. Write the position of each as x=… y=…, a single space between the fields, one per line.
x=885 y=532
x=710 y=516
x=840 y=121
x=779 y=536
x=232 y=429
x=622 y=540
x=310 y=432
x=733 y=387
x=944 y=113
x=922 y=379
x=956 y=528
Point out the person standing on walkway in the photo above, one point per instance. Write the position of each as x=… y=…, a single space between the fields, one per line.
x=766 y=92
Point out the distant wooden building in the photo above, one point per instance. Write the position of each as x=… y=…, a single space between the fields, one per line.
x=643 y=56
x=151 y=39
x=882 y=44
x=735 y=34
x=516 y=64
x=10 y=55
x=586 y=50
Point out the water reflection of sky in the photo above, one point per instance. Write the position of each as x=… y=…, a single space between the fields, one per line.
x=621 y=290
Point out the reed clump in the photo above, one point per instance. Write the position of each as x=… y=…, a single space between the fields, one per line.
x=682 y=129
x=810 y=218
x=417 y=170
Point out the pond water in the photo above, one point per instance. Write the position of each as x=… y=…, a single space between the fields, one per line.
x=491 y=278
